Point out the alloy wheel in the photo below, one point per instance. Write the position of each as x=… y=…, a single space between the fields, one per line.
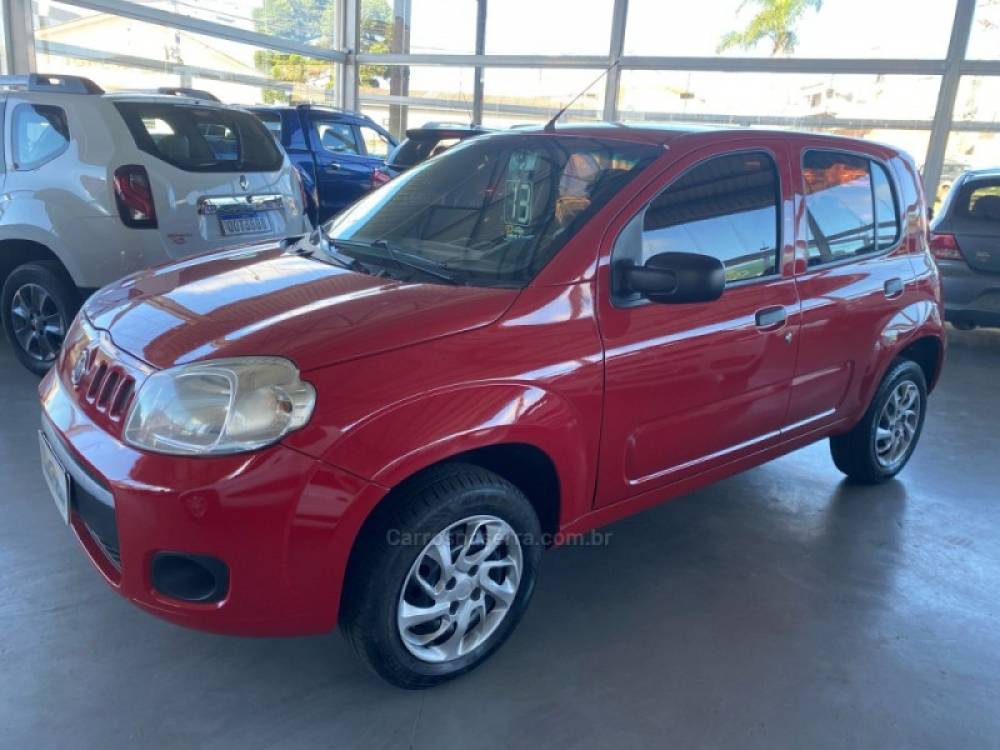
x=897 y=424
x=37 y=322
x=459 y=589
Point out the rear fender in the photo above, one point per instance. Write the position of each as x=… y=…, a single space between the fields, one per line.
x=913 y=322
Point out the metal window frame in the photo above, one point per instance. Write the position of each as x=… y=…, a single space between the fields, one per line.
x=19 y=56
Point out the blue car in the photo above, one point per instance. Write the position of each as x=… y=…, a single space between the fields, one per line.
x=340 y=155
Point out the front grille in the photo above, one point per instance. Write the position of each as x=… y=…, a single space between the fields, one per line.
x=108 y=547
x=106 y=385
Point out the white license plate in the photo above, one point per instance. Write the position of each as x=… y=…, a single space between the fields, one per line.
x=246 y=223
x=55 y=477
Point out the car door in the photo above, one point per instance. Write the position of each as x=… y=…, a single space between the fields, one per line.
x=692 y=386
x=852 y=274
x=343 y=172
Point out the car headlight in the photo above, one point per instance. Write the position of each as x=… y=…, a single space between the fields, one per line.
x=219 y=406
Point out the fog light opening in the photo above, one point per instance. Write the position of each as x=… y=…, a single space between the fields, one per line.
x=190 y=578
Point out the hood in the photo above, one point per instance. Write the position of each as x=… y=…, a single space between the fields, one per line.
x=263 y=300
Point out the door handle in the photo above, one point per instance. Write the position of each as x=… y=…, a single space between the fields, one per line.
x=770 y=317
x=893 y=288
x=332 y=167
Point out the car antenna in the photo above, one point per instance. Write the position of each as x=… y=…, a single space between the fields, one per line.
x=550 y=126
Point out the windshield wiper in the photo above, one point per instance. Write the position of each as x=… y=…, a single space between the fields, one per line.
x=406 y=259
x=330 y=253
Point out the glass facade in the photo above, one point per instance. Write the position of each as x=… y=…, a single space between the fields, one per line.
x=508 y=63
x=121 y=52
x=402 y=96
x=831 y=29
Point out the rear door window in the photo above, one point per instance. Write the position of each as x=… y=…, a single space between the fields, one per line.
x=850 y=206
x=335 y=137
x=39 y=133
x=376 y=144
x=201 y=139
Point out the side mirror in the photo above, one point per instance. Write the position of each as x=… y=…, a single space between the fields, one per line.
x=673 y=278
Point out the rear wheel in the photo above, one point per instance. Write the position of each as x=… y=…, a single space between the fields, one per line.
x=37 y=304
x=882 y=442
x=443 y=577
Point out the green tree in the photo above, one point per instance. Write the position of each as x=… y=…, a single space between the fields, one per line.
x=313 y=22
x=774 y=21
x=375 y=37
x=308 y=21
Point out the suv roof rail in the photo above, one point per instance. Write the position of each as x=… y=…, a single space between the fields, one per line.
x=58 y=84
x=317 y=105
x=185 y=91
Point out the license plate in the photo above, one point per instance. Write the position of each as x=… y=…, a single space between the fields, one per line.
x=55 y=477
x=245 y=223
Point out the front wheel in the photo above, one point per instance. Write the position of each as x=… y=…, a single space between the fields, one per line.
x=443 y=575
x=37 y=305
x=882 y=442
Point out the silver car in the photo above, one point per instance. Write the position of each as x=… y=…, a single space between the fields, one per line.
x=965 y=240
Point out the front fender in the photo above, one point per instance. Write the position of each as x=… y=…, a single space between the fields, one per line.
x=406 y=437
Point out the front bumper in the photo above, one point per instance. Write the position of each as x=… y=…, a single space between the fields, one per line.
x=282 y=522
x=970 y=296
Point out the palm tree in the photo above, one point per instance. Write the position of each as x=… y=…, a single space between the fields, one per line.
x=775 y=21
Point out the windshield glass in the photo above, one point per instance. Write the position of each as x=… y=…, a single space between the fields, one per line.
x=492 y=211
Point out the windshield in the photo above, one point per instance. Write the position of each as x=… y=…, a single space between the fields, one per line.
x=491 y=211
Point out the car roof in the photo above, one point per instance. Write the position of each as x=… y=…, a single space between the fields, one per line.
x=977 y=174
x=428 y=132
x=664 y=133
x=325 y=109
x=143 y=96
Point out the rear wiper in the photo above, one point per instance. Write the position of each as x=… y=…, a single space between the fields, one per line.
x=406 y=259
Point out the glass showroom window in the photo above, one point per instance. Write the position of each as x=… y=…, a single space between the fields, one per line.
x=311 y=22
x=409 y=96
x=984 y=41
x=530 y=96
x=3 y=48
x=890 y=28
x=552 y=27
x=113 y=50
x=976 y=103
x=418 y=26
x=724 y=97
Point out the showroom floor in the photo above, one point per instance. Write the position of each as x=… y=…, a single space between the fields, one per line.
x=781 y=608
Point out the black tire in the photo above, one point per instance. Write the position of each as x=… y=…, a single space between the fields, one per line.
x=63 y=300
x=425 y=506
x=855 y=452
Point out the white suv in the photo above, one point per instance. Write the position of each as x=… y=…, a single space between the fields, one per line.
x=94 y=186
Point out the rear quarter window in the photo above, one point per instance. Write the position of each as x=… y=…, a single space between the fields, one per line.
x=39 y=133
x=201 y=139
x=272 y=121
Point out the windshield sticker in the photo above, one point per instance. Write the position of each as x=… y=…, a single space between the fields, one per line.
x=517 y=202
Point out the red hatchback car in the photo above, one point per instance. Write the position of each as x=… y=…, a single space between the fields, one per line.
x=528 y=337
